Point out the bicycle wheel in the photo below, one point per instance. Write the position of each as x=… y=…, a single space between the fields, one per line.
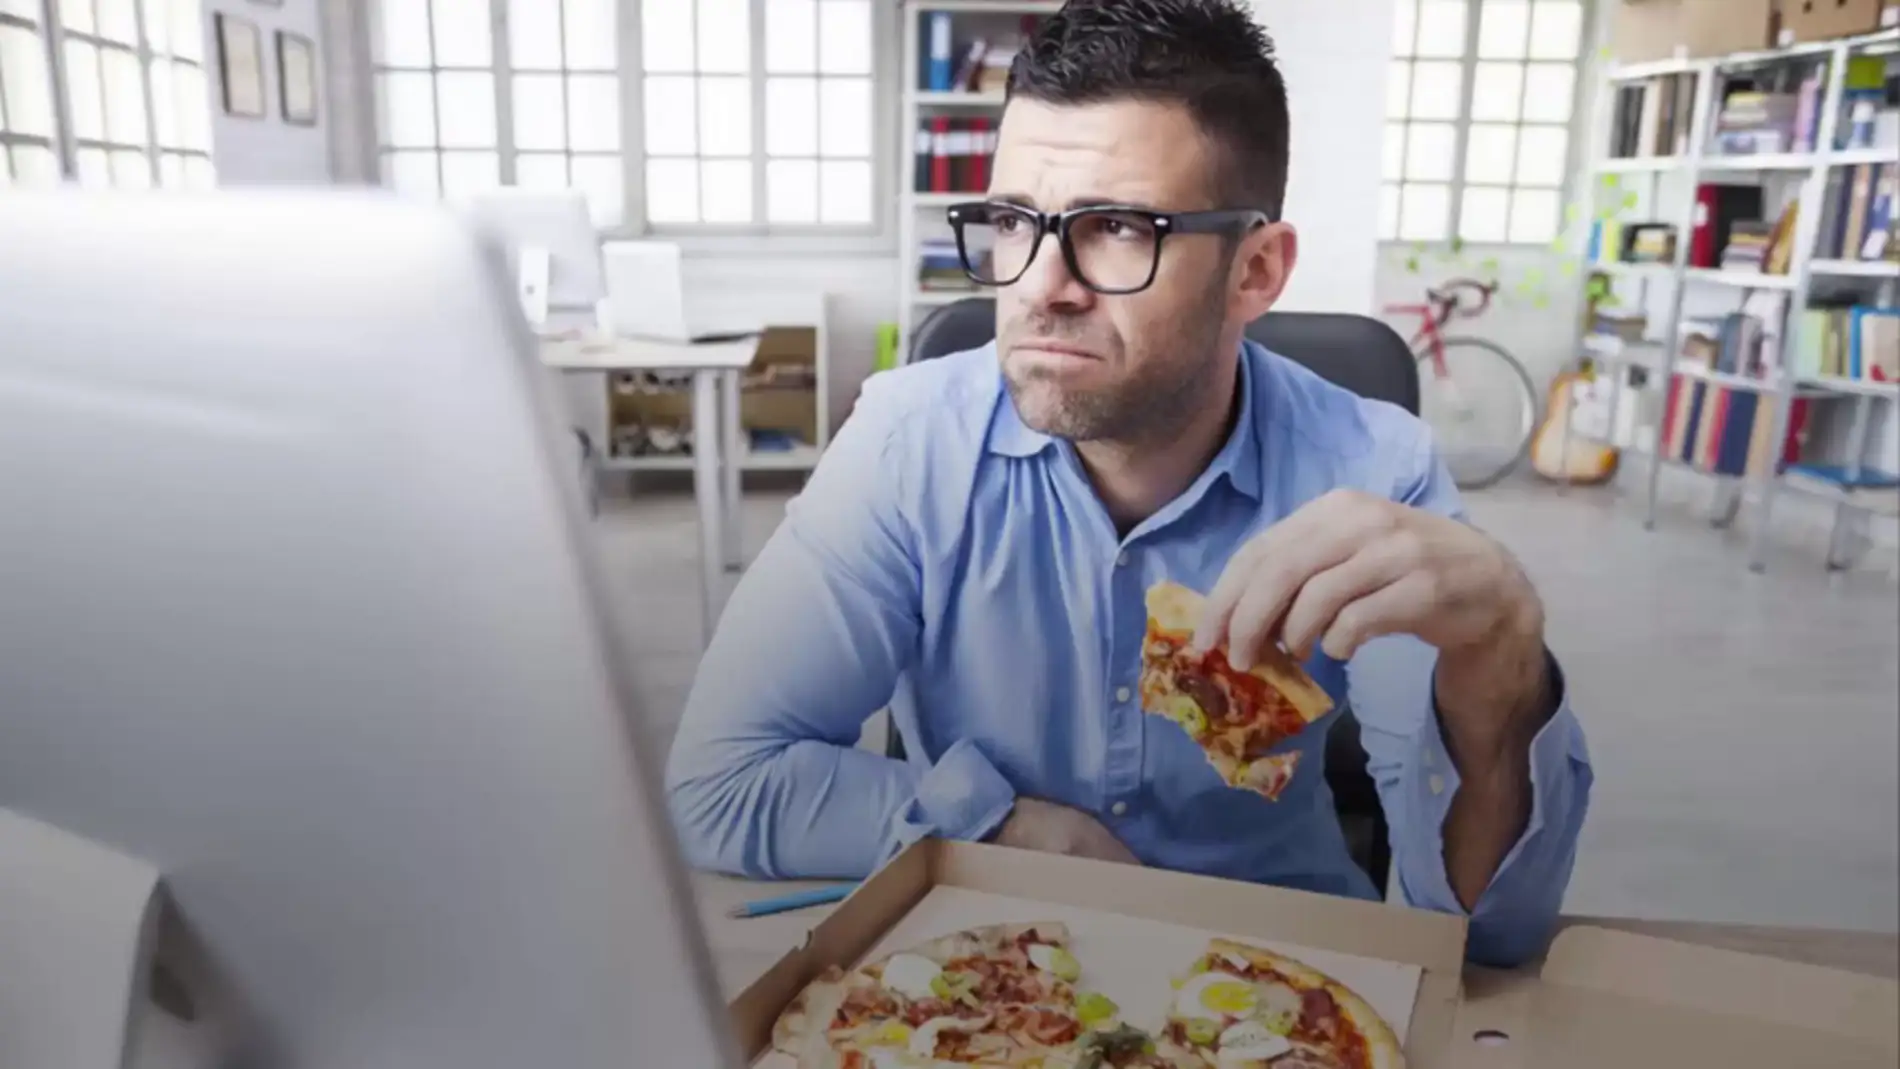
x=1482 y=410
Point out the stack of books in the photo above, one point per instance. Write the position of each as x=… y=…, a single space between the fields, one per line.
x=941 y=267
x=1652 y=118
x=1755 y=123
x=1748 y=246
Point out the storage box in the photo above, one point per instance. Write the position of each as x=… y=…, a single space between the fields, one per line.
x=1824 y=20
x=1601 y=998
x=1648 y=30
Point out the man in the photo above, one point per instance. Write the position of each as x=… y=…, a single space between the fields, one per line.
x=975 y=547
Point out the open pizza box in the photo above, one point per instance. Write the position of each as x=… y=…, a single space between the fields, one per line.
x=1133 y=931
x=1600 y=999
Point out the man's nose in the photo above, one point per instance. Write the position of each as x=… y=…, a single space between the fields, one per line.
x=1048 y=282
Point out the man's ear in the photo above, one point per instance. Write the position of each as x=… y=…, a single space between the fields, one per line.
x=1266 y=257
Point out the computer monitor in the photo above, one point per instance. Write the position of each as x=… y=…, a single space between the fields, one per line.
x=552 y=244
x=297 y=603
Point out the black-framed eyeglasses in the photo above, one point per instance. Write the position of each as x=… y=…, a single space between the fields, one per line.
x=1112 y=249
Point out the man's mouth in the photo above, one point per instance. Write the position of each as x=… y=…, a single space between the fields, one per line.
x=1056 y=348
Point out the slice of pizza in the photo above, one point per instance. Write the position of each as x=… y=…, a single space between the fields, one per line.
x=1243 y=1006
x=1003 y=995
x=1237 y=717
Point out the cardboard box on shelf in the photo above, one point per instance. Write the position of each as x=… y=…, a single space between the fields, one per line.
x=1824 y=20
x=1600 y=998
x=1644 y=31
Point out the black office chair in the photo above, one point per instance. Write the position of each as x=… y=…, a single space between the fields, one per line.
x=1358 y=353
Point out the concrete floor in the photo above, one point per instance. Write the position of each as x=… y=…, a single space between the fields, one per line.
x=1745 y=729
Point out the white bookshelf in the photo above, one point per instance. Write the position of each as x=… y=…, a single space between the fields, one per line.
x=920 y=215
x=1811 y=170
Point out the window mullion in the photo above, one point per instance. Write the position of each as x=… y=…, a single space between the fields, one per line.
x=435 y=101
x=1461 y=132
x=501 y=59
x=147 y=61
x=756 y=24
x=633 y=161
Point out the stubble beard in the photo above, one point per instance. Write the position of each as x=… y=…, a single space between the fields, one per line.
x=1159 y=398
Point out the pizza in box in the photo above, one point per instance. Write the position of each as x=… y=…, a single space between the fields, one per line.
x=1015 y=996
x=1236 y=717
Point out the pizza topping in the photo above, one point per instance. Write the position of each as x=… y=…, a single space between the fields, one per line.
x=912 y=976
x=1250 y=1041
x=955 y=987
x=889 y=1034
x=1200 y=1031
x=1215 y=995
x=1051 y=959
x=1205 y=693
x=924 y=1041
x=1280 y=1008
x=1317 y=1010
x=1113 y=1048
x=1095 y=1009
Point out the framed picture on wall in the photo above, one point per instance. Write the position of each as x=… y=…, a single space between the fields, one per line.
x=240 y=67
x=297 y=78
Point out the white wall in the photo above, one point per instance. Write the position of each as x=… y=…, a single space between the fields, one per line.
x=268 y=151
x=1335 y=57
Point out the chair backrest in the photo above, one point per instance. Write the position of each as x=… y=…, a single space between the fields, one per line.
x=1354 y=352
x=969 y=323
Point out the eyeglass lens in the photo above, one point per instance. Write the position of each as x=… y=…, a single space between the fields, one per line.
x=1110 y=250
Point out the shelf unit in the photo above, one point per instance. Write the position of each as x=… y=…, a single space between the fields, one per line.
x=1812 y=169
x=920 y=213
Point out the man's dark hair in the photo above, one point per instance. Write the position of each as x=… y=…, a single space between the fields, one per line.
x=1209 y=56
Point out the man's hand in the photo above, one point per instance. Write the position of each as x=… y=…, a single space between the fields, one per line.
x=1349 y=568
x=1056 y=829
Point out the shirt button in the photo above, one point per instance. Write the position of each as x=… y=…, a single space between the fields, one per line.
x=1121 y=561
x=1426 y=755
x=1436 y=783
x=1120 y=809
x=1123 y=694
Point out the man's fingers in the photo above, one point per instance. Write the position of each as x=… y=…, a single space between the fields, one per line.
x=1226 y=594
x=1387 y=610
x=1260 y=608
x=1323 y=597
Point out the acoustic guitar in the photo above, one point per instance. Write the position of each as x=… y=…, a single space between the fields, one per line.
x=1585 y=462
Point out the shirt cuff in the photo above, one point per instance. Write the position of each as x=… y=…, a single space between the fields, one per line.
x=962 y=796
x=1554 y=749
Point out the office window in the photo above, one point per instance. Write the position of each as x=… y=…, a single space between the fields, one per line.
x=735 y=116
x=1479 y=106
x=29 y=132
x=136 y=110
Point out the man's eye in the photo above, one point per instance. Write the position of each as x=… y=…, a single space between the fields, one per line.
x=1008 y=224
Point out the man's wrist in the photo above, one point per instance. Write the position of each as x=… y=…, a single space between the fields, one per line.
x=1493 y=697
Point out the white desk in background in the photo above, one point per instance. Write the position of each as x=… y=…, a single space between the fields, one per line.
x=719 y=448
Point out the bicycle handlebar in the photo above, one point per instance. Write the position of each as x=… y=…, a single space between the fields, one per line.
x=1449 y=298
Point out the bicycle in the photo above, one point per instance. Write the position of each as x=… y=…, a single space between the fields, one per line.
x=1479 y=401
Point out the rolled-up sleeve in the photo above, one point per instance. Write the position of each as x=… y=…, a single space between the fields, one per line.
x=1390 y=688
x=764 y=778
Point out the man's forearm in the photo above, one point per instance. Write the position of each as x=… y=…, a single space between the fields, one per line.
x=1507 y=685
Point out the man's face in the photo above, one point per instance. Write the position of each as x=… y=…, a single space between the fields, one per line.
x=1086 y=366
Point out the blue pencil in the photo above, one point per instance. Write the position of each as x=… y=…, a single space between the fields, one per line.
x=797 y=900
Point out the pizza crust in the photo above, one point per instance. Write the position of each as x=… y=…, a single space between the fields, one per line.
x=1174 y=611
x=1382 y=1045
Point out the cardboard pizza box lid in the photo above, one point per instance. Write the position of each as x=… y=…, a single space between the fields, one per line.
x=1613 y=998
x=1434 y=942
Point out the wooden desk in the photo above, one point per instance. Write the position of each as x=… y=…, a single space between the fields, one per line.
x=743 y=949
x=718 y=450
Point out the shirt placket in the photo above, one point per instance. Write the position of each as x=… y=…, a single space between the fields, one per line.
x=1126 y=621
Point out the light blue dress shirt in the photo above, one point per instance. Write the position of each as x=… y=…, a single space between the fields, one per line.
x=953 y=564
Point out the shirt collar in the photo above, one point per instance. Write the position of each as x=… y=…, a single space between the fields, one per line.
x=1238 y=460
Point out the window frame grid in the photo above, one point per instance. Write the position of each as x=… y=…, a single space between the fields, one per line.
x=1582 y=94
x=65 y=144
x=739 y=235
x=876 y=237
x=42 y=31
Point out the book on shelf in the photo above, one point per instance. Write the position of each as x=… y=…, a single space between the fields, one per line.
x=1653 y=117
x=1858 y=214
x=1727 y=431
x=1860 y=343
x=954 y=155
x=977 y=65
